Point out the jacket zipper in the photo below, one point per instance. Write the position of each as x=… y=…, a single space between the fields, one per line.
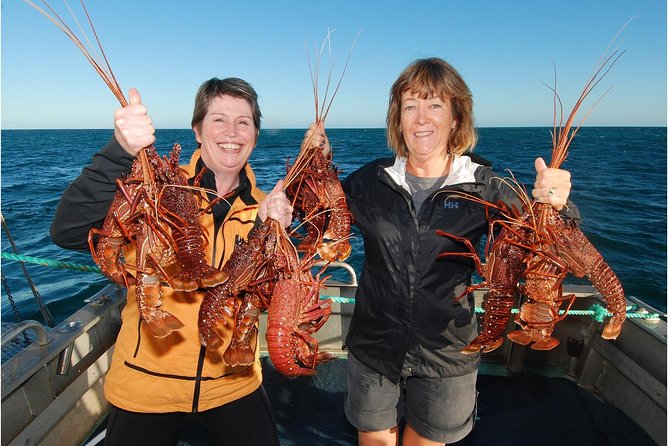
x=414 y=215
x=198 y=379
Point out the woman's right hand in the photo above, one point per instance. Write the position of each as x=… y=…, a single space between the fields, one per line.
x=133 y=127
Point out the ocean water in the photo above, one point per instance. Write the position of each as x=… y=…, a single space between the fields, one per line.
x=618 y=176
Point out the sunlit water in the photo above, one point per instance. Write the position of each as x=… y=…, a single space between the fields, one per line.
x=619 y=185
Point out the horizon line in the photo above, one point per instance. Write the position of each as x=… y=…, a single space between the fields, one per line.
x=350 y=128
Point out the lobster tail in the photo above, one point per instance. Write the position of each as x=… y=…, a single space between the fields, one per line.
x=607 y=283
x=161 y=323
x=498 y=308
x=584 y=259
x=296 y=312
x=216 y=306
x=239 y=352
x=158 y=321
x=503 y=272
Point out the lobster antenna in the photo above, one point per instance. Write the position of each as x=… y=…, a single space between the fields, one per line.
x=76 y=20
x=327 y=41
x=557 y=104
x=322 y=107
x=345 y=67
x=106 y=75
x=614 y=39
x=566 y=132
x=566 y=135
x=314 y=70
x=104 y=55
x=314 y=80
x=305 y=156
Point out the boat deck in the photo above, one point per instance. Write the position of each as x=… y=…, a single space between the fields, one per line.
x=525 y=409
x=526 y=397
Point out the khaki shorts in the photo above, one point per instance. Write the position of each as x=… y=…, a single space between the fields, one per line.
x=439 y=409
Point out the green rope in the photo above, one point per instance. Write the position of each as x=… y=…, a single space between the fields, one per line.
x=339 y=299
x=596 y=311
x=47 y=262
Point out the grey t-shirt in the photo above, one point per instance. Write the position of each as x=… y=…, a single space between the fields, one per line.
x=421 y=187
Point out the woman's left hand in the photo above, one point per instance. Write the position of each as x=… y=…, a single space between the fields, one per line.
x=552 y=186
x=277 y=206
x=315 y=137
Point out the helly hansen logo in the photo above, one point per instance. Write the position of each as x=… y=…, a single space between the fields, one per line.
x=451 y=204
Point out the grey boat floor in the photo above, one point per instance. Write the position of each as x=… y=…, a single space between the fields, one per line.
x=524 y=409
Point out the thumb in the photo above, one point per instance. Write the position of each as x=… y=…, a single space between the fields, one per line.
x=134 y=97
x=279 y=186
x=540 y=165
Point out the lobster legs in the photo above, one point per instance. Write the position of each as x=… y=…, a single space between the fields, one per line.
x=155 y=211
x=502 y=273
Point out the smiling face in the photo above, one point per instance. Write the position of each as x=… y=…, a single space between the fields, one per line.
x=430 y=79
x=426 y=125
x=227 y=135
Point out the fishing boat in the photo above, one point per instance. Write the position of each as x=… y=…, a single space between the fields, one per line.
x=585 y=391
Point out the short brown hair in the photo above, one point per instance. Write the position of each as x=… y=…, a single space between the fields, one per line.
x=215 y=87
x=429 y=78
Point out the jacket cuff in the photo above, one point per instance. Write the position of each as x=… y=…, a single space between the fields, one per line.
x=114 y=151
x=571 y=212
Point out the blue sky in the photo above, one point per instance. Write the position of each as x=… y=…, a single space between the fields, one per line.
x=503 y=49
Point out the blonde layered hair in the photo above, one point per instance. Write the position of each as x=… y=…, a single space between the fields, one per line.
x=430 y=78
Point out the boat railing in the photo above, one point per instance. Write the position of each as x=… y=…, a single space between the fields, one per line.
x=59 y=377
x=21 y=327
x=345 y=267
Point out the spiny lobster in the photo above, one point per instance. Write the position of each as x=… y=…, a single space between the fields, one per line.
x=154 y=210
x=541 y=248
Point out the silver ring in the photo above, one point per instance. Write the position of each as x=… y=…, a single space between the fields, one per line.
x=551 y=191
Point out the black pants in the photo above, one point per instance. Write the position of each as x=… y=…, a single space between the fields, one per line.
x=248 y=421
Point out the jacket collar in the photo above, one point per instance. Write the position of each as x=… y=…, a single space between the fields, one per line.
x=462 y=170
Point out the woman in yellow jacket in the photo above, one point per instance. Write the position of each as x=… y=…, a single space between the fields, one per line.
x=154 y=384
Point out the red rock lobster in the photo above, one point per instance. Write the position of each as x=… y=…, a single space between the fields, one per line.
x=313 y=186
x=154 y=210
x=321 y=203
x=265 y=273
x=541 y=248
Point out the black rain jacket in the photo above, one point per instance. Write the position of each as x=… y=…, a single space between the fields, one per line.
x=406 y=312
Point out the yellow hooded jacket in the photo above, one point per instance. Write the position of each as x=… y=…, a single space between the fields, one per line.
x=175 y=373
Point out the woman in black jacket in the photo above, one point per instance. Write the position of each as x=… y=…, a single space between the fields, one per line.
x=408 y=327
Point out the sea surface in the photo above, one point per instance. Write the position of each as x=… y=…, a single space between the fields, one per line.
x=618 y=176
